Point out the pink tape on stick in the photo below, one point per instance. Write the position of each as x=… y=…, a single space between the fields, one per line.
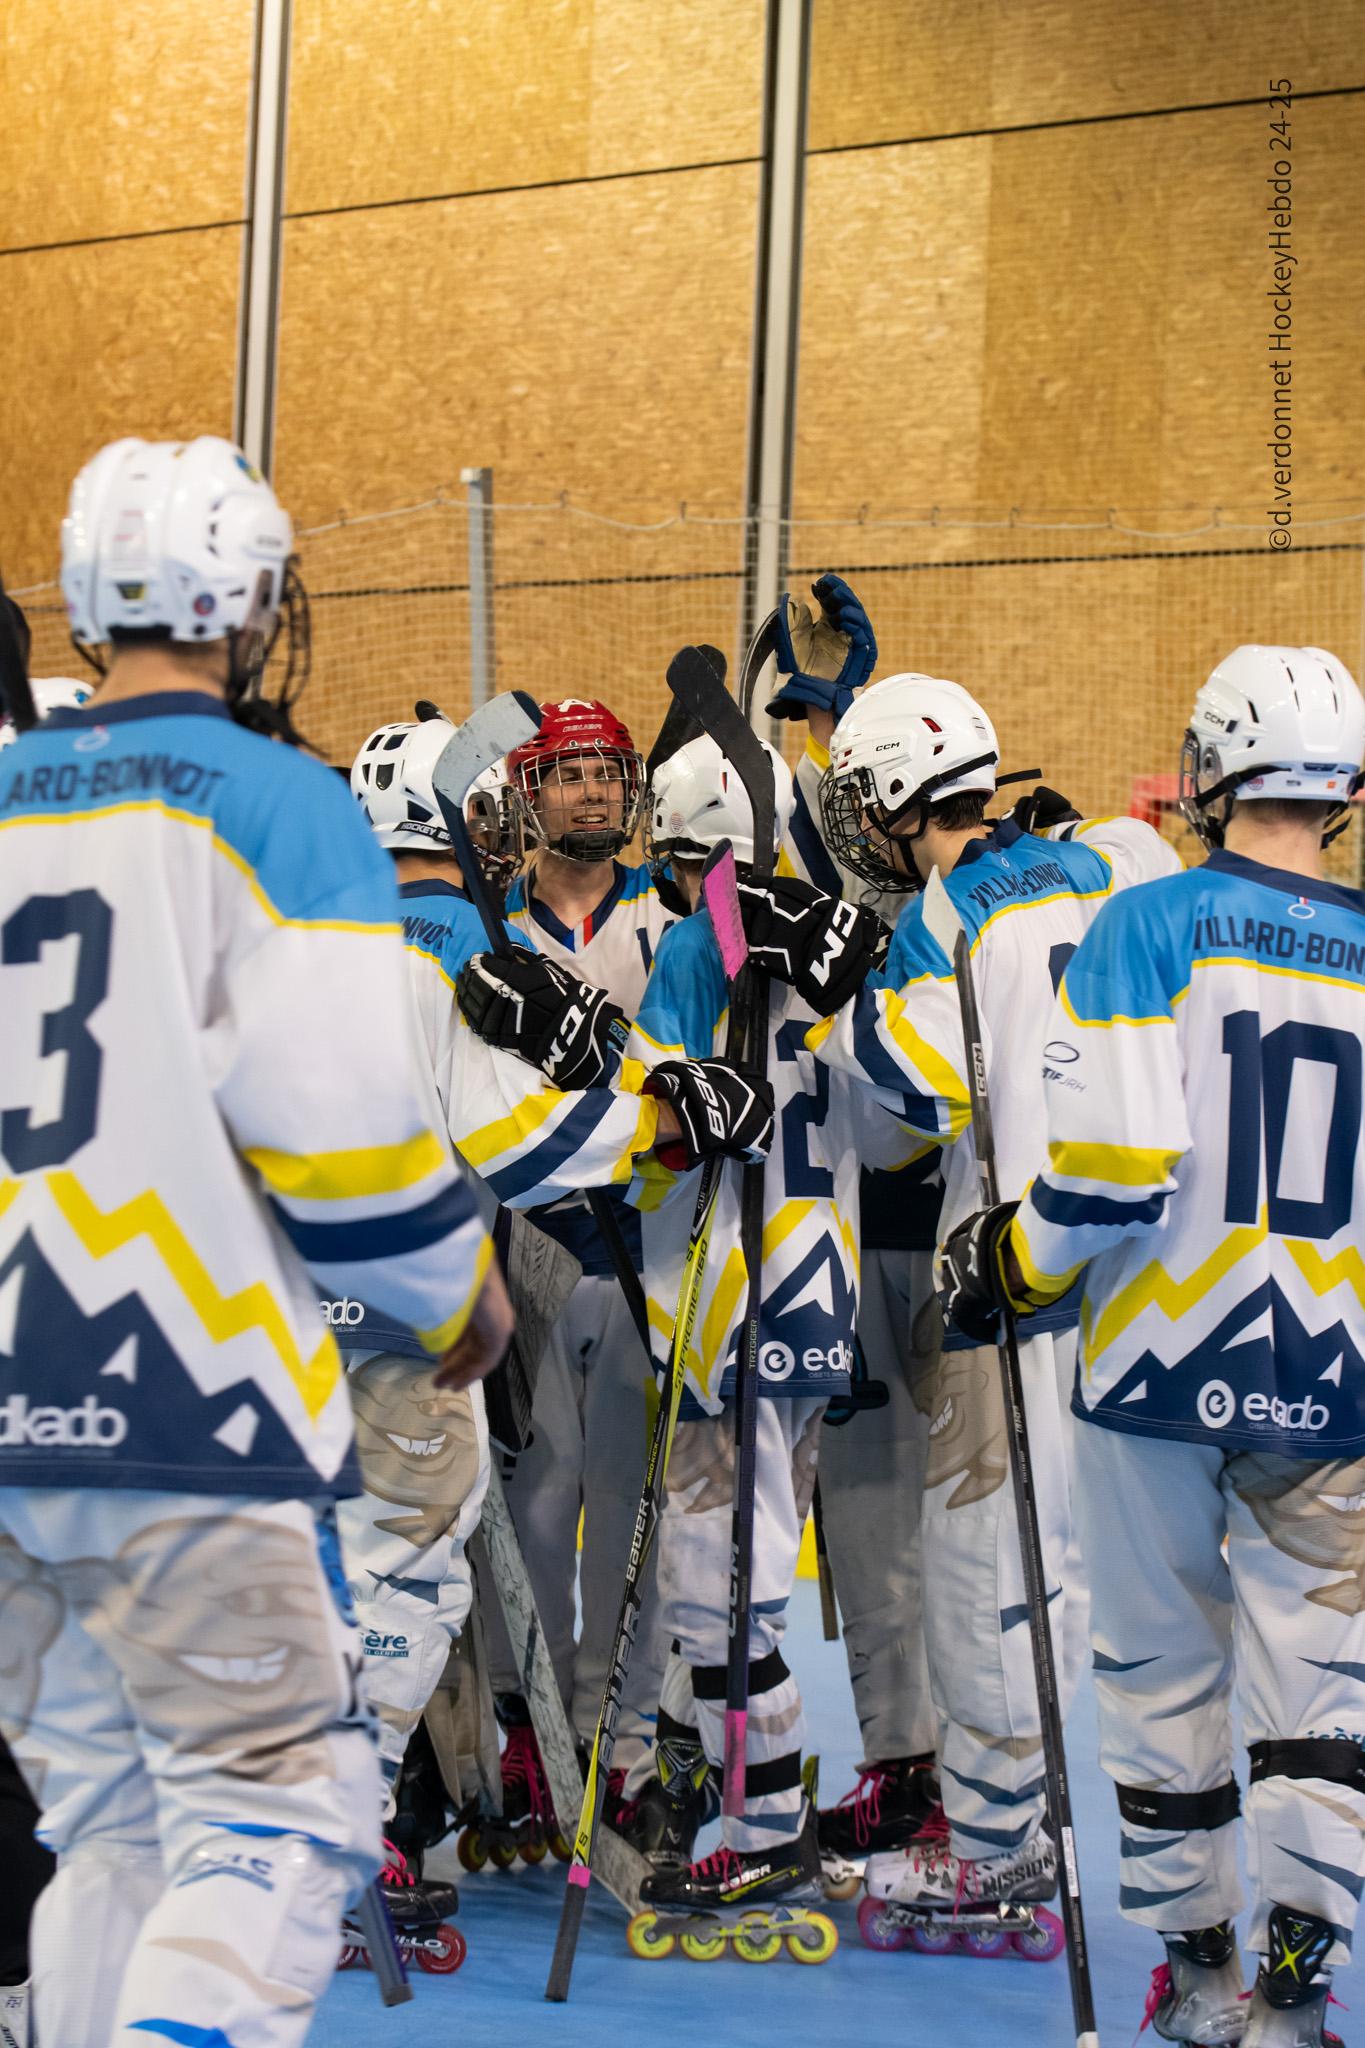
x=720 y=893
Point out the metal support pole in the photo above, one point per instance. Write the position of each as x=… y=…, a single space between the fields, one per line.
x=777 y=311
x=482 y=661
x=258 y=306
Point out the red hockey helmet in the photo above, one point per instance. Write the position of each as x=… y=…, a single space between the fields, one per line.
x=574 y=730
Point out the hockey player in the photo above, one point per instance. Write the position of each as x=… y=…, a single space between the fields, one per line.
x=208 y=1111
x=1203 y=1165
x=913 y=763
x=805 y=1354
x=579 y=781
x=872 y=1466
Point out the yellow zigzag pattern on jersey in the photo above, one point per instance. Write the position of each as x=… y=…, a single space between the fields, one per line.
x=223 y=1315
x=1153 y=1287
x=1345 y=1267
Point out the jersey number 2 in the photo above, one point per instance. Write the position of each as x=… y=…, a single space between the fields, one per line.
x=803 y=1114
x=84 y=915
x=1262 y=1078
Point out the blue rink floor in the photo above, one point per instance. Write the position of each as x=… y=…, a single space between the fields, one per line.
x=856 y=1997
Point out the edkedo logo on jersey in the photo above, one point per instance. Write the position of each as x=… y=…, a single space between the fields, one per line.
x=88 y=1427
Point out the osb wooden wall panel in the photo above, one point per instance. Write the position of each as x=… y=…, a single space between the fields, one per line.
x=429 y=96
x=119 y=118
x=1076 y=318
x=594 y=340
x=118 y=338
x=884 y=69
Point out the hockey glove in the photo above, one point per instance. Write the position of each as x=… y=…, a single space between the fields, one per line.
x=535 y=1008
x=819 y=945
x=718 y=1108
x=971 y=1279
x=1043 y=808
x=823 y=661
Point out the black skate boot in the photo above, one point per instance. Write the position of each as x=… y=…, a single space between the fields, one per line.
x=423 y=1813
x=890 y=1806
x=674 y=1805
x=1196 y=1996
x=753 y=1898
x=420 y=1909
x=1288 y=2007
x=527 y=1826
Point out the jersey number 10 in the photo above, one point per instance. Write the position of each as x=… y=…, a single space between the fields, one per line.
x=1262 y=1080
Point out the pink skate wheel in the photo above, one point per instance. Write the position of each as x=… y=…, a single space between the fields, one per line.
x=987 y=1941
x=351 y=1957
x=934 y=1937
x=441 y=1951
x=1041 y=1942
x=877 y=1927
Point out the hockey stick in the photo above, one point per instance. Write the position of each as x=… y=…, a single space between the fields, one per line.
x=694 y=681
x=586 y=1842
x=945 y=926
x=451 y=779
x=829 y=1605
x=16 y=698
x=756 y=658
x=381 y=1945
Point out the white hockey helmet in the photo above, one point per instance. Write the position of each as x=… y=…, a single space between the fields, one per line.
x=696 y=800
x=184 y=539
x=50 y=693
x=391 y=778
x=497 y=823
x=1285 y=722
x=907 y=741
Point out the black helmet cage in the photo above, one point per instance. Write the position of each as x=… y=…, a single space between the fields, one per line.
x=582 y=842
x=1197 y=799
x=503 y=817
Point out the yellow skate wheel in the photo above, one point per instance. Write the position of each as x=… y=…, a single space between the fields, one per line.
x=756 y=1942
x=471 y=1851
x=813 y=1940
x=843 y=1887
x=704 y=1948
x=502 y=1855
x=536 y=1850
x=646 y=1939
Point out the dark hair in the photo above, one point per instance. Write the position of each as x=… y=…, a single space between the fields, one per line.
x=957 y=813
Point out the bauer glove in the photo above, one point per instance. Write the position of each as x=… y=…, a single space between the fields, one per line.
x=822 y=661
x=1041 y=809
x=819 y=945
x=535 y=1008
x=718 y=1108
x=971 y=1274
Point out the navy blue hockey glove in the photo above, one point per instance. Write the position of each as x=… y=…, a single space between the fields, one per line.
x=971 y=1280
x=719 y=1108
x=1043 y=808
x=535 y=1008
x=818 y=945
x=822 y=661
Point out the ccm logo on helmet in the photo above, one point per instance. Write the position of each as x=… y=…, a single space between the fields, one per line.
x=343 y=1314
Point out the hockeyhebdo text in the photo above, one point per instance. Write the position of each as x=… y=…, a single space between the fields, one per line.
x=1280 y=332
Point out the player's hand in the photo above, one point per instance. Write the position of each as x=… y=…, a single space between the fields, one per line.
x=536 y=1009
x=1043 y=808
x=822 y=660
x=971 y=1278
x=482 y=1343
x=819 y=945
x=718 y=1108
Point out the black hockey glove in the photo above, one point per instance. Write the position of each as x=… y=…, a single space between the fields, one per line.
x=535 y=1008
x=1043 y=808
x=971 y=1283
x=819 y=945
x=719 y=1108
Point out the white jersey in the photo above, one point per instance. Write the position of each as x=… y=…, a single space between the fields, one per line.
x=825 y=1129
x=1026 y=903
x=1203 y=1162
x=613 y=948
x=213 y=1106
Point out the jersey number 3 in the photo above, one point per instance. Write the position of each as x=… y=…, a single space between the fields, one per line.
x=85 y=916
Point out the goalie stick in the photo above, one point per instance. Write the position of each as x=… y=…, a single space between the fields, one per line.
x=451 y=788
x=590 y=1836
x=695 y=682
x=945 y=927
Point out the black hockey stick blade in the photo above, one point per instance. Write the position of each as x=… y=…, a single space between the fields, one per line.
x=16 y=698
x=700 y=689
x=756 y=657
x=679 y=726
